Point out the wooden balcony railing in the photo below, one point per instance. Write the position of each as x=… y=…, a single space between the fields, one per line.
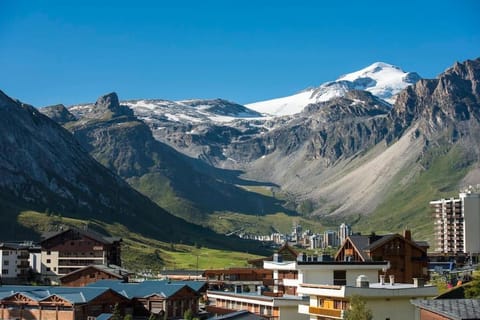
x=326 y=312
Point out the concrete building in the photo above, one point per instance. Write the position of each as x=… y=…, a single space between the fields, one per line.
x=14 y=263
x=457 y=224
x=344 y=231
x=385 y=300
x=330 y=239
x=315 y=241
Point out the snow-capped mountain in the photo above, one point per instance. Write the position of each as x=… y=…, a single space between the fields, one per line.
x=191 y=111
x=381 y=79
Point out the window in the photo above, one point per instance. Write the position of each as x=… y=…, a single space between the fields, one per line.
x=48 y=269
x=340 y=277
x=49 y=252
x=49 y=261
x=6 y=262
x=6 y=253
x=4 y=271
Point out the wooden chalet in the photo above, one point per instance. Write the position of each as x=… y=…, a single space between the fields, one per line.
x=407 y=258
x=73 y=249
x=59 y=303
x=93 y=273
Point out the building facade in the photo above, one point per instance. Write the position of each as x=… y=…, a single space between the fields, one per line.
x=457 y=221
x=386 y=300
x=87 y=275
x=14 y=259
x=35 y=303
x=344 y=231
x=407 y=259
x=73 y=249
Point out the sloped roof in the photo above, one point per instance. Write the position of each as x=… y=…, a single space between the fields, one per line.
x=75 y=295
x=365 y=243
x=360 y=243
x=455 y=309
x=113 y=270
x=148 y=288
x=87 y=233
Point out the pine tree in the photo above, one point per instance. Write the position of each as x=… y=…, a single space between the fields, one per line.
x=358 y=310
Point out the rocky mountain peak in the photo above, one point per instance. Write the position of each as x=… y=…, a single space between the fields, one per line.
x=58 y=113
x=110 y=104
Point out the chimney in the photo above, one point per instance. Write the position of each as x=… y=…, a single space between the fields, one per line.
x=418 y=282
x=392 y=279
x=277 y=257
x=407 y=234
x=382 y=279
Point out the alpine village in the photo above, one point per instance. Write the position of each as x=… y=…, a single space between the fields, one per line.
x=357 y=199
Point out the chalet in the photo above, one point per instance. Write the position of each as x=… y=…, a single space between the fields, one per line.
x=35 y=303
x=407 y=259
x=94 y=273
x=169 y=299
x=72 y=249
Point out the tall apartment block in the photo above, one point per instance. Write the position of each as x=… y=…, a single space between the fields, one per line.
x=457 y=224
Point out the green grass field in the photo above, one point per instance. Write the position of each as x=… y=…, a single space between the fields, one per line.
x=141 y=253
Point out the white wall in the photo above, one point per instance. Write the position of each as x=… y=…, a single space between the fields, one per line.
x=8 y=260
x=325 y=276
x=291 y=313
x=471 y=206
x=394 y=309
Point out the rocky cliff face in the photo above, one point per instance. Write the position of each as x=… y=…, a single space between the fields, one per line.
x=346 y=155
x=329 y=130
x=43 y=167
x=58 y=113
x=187 y=187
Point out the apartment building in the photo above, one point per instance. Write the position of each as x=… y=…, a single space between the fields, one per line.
x=282 y=298
x=72 y=249
x=386 y=300
x=457 y=224
x=14 y=259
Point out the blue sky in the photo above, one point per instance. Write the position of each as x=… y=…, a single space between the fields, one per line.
x=74 y=51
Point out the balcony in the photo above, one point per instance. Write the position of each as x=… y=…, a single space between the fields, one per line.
x=326 y=312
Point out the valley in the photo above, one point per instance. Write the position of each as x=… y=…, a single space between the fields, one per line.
x=371 y=153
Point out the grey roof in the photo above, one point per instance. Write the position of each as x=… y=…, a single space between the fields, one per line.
x=360 y=242
x=114 y=270
x=75 y=295
x=239 y=315
x=88 y=233
x=147 y=288
x=455 y=309
x=12 y=246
